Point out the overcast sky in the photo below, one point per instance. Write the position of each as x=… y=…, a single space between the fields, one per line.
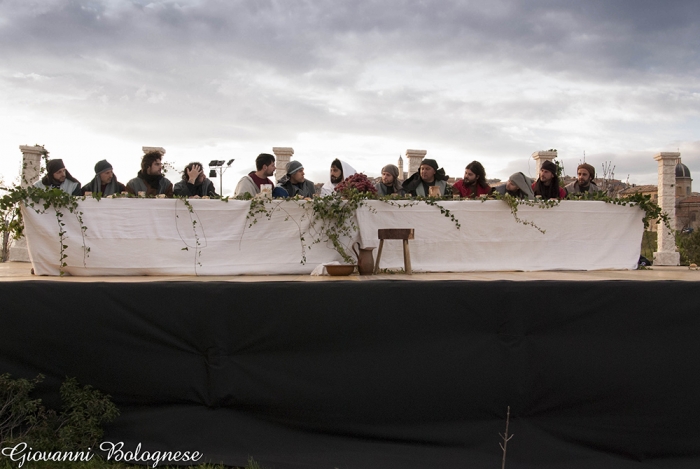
x=357 y=80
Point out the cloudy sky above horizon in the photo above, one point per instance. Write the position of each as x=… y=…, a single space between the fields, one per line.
x=359 y=80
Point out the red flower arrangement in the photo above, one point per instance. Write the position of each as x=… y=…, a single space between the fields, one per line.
x=357 y=181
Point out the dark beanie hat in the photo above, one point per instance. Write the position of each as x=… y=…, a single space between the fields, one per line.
x=293 y=167
x=102 y=166
x=549 y=166
x=432 y=163
x=587 y=167
x=54 y=165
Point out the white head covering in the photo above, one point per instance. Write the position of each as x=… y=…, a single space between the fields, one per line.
x=328 y=188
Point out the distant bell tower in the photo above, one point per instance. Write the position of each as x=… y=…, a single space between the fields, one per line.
x=400 y=165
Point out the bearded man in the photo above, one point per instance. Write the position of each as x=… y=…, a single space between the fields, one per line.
x=547 y=186
x=264 y=168
x=474 y=183
x=150 y=179
x=340 y=171
x=58 y=177
x=390 y=183
x=104 y=182
x=585 y=174
x=428 y=175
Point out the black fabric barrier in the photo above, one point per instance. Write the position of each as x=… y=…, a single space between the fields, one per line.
x=376 y=374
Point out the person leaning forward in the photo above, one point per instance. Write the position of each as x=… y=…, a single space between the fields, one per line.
x=294 y=181
x=427 y=176
x=518 y=186
x=194 y=183
x=58 y=177
x=104 y=182
x=150 y=179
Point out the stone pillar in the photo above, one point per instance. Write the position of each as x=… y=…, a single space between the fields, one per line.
x=414 y=158
x=666 y=253
x=542 y=156
x=283 y=155
x=31 y=172
x=160 y=150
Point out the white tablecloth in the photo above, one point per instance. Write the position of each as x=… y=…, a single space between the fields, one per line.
x=159 y=237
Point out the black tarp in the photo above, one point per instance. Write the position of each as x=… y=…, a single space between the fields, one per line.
x=376 y=374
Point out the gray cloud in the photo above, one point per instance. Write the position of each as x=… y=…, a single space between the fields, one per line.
x=496 y=80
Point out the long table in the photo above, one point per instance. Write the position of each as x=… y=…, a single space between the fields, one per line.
x=212 y=237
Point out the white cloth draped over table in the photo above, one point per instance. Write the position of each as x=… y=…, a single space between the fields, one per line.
x=160 y=237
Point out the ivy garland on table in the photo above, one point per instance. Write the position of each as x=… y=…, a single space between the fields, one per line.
x=40 y=200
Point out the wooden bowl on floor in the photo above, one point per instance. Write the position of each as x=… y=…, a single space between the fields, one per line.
x=342 y=270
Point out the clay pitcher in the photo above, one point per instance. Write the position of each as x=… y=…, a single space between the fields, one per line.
x=365 y=260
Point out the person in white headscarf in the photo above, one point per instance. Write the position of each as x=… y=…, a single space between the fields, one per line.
x=340 y=171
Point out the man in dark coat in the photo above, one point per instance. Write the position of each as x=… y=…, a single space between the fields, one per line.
x=194 y=183
x=104 y=182
x=547 y=186
x=150 y=179
x=427 y=176
x=294 y=181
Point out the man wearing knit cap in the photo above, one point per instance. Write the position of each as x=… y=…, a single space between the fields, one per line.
x=547 y=186
x=294 y=181
x=427 y=176
x=585 y=174
x=104 y=182
x=390 y=183
x=58 y=177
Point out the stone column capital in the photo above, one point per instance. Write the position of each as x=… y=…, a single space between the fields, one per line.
x=667 y=155
x=544 y=155
x=36 y=149
x=160 y=150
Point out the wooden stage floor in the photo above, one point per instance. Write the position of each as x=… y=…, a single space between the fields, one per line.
x=20 y=271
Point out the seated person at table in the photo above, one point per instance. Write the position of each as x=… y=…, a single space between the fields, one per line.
x=474 y=183
x=250 y=184
x=194 y=183
x=150 y=179
x=547 y=186
x=295 y=183
x=390 y=183
x=58 y=177
x=585 y=174
x=427 y=176
x=104 y=182
x=518 y=186
x=340 y=171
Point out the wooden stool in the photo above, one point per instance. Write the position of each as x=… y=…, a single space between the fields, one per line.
x=396 y=233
